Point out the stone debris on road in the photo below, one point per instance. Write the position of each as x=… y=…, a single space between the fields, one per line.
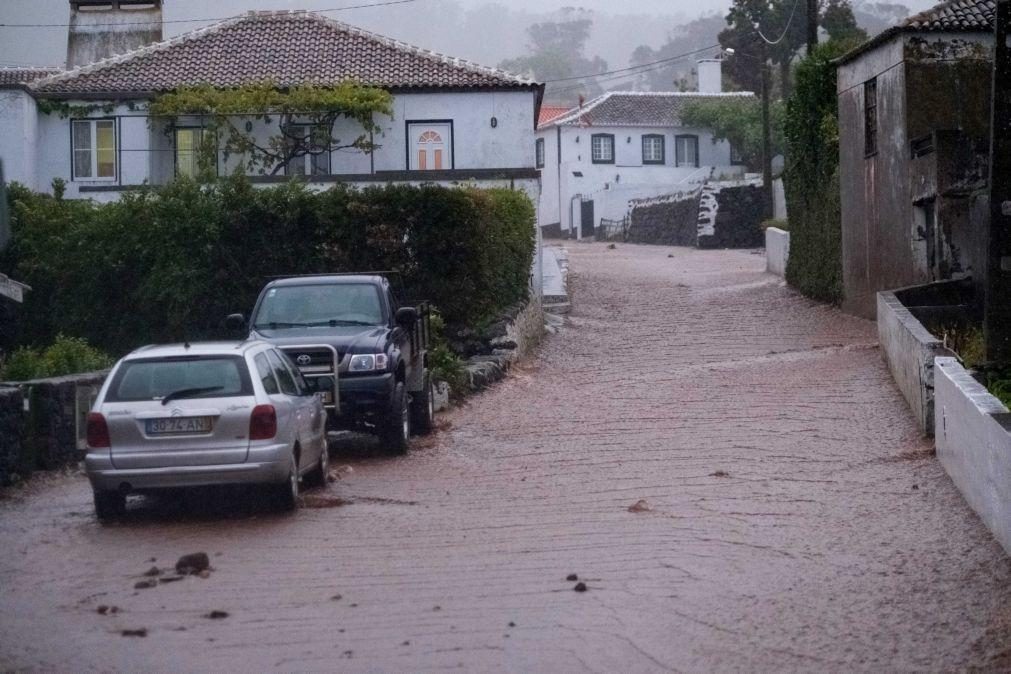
x=193 y=563
x=640 y=506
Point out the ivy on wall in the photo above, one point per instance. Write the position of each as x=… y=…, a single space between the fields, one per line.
x=229 y=116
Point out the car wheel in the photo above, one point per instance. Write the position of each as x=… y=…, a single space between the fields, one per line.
x=109 y=505
x=396 y=432
x=286 y=492
x=318 y=476
x=423 y=406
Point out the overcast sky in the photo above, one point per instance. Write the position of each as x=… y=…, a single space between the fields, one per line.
x=416 y=22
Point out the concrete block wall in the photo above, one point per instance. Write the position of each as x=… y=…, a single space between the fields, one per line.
x=777 y=250
x=909 y=350
x=973 y=436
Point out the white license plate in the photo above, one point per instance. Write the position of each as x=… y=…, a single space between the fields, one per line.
x=179 y=425
x=326 y=397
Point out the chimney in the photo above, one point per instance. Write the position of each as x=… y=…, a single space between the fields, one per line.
x=710 y=76
x=103 y=28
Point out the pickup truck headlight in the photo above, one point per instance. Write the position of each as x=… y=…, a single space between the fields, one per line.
x=368 y=362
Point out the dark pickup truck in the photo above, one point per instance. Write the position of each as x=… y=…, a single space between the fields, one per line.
x=362 y=349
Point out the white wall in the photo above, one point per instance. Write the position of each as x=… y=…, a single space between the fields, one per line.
x=611 y=185
x=146 y=154
x=18 y=131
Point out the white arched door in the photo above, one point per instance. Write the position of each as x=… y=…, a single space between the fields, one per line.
x=430 y=147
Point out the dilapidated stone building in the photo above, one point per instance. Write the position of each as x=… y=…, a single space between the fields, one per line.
x=914 y=119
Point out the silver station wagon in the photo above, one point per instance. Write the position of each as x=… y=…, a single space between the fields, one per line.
x=200 y=414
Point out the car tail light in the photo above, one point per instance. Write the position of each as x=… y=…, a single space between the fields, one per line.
x=98 y=431
x=263 y=423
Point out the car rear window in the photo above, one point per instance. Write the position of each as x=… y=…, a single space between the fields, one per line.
x=155 y=378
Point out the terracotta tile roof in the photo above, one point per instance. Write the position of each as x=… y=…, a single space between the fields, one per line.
x=956 y=15
x=289 y=48
x=637 y=108
x=550 y=112
x=18 y=77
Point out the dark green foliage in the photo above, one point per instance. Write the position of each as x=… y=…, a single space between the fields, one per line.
x=67 y=355
x=738 y=120
x=169 y=263
x=812 y=177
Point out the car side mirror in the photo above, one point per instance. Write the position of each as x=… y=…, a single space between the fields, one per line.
x=407 y=317
x=235 y=322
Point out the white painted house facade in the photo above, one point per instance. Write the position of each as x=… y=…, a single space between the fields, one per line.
x=623 y=146
x=453 y=121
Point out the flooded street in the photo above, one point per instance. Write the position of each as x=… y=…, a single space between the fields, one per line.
x=726 y=465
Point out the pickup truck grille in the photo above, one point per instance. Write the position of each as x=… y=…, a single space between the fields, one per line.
x=313 y=360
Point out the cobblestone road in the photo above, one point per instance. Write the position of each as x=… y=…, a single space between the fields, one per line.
x=792 y=517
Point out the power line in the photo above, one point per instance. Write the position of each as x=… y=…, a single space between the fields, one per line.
x=383 y=3
x=785 y=30
x=635 y=67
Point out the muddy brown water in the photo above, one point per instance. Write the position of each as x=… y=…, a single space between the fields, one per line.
x=780 y=528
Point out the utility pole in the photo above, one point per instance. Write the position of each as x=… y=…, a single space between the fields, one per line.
x=997 y=300
x=812 y=25
x=766 y=136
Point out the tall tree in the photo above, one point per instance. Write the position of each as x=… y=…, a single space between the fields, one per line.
x=557 y=52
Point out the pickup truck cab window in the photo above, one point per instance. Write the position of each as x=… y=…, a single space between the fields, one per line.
x=320 y=305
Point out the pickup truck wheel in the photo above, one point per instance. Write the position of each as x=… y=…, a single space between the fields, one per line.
x=396 y=429
x=109 y=505
x=423 y=407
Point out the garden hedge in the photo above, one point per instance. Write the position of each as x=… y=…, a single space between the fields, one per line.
x=812 y=177
x=169 y=263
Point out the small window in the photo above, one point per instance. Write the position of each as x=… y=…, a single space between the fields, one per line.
x=653 y=149
x=296 y=373
x=284 y=378
x=687 y=150
x=94 y=149
x=602 y=148
x=870 y=117
x=266 y=375
x=188 y=146
x=540 y=152
x=312 y=143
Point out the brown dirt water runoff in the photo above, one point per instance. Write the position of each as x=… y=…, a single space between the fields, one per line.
x=779 y=528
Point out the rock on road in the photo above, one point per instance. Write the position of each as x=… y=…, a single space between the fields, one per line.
x=726 y=465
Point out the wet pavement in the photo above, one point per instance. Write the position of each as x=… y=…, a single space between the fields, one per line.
x=726 y=465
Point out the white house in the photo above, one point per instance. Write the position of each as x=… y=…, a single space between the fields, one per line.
x=453 y=121
x=626 y=145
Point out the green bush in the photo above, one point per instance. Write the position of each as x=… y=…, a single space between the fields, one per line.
x=167 y=264
x=812 y=177
x=67 y=355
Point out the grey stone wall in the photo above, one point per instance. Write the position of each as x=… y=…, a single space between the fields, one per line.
x=671 y=222
x=11 y=422
x=49 y=426
x=740 y=211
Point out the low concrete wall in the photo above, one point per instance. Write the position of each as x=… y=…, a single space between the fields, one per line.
x=514 y=337
x=909 y=349
x=973 y=432
x=777 y=250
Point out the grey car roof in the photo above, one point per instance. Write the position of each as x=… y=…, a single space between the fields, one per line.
x=327 y=280
x=221 y=348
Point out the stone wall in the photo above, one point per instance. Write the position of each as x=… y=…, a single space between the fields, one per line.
x=667 y=221
x=491 y=352
x=50 y=419
x=11 y=423
x=735 y=219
